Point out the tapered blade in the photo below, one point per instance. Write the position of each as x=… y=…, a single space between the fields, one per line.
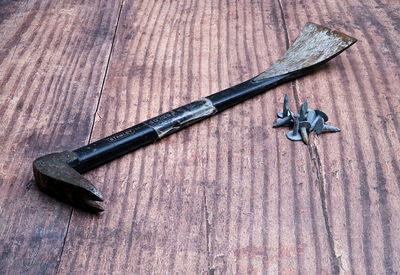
x=315 y=45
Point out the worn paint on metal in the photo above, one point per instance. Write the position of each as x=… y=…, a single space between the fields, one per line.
x=315 y=44
x=181 y=117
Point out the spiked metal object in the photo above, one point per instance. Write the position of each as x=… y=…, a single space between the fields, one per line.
x=59 y=174
x=304 y=122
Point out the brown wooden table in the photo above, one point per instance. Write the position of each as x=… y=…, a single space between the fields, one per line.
x=228 y=195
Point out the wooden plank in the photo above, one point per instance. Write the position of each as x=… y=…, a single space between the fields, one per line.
x=53 y=56
x=264 y=209
x=358 y=168
x=153 y=220
x=228 y=195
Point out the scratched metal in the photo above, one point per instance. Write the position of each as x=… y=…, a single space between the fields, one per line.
x=181 y=117
x=315 y=44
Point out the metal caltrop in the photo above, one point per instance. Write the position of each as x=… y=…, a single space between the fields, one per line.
x=59 y=174
x=303 y=123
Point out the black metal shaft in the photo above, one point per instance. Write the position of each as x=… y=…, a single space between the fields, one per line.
x=109 y=148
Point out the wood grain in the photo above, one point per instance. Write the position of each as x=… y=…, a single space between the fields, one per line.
x=358 y=169
x=211 y=198
x=53 y=57
x=228 y=195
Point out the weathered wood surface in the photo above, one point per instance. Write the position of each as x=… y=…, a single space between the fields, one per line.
x=228 y=195
x=53 y=57
x=359 y=169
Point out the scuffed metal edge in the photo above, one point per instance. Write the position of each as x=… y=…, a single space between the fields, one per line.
x=315 y=44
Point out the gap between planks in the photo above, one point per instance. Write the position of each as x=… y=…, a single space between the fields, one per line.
x=316 y=160
x=313 y=151
x=94 y=120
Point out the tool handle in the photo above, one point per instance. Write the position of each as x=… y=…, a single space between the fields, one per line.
x=106 y=149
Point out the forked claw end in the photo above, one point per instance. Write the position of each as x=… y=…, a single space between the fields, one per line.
x=57 y=178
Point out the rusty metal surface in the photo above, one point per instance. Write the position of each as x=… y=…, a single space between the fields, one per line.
x=314 y=45
x=57 y=178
